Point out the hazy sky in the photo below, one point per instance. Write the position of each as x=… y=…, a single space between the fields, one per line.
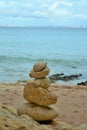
x=43 y=12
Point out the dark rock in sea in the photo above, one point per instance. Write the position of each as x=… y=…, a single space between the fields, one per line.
x=55 y=77
x=64 y=77
x=74 y=67
x=82 y=83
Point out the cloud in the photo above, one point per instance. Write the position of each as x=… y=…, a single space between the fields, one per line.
x=40 y=13
x=81 y=16
x=69 y=4
x=18 y=4
x=56 y=5
x=24 y=8
x=15 y=8
x=3 y=4
x=53 y=7
x=47 y=10
x=59 y=8
x=28 y=5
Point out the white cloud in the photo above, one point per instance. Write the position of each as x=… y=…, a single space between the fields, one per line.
x=81 y=16
x=16 y=4
x=15 y=9
x=40 y=13
x=59 y=4
x=3 y=4
x=53 y=7
x=29 y=5
x=56 y=8
x=69 y=4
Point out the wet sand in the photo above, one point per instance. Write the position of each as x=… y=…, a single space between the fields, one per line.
x=72 y=101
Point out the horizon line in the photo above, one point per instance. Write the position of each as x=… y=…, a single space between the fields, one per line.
x=49 y=26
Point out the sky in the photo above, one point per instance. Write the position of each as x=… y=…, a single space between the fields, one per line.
x=43 y=12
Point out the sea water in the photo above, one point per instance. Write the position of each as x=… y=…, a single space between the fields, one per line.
x=64 y=49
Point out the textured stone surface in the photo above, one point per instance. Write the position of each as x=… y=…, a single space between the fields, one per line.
x=21 y=128
x=9 y=120
x=43 y=82
x=40 y=74
x=39 y=95
x=37 y=112
x=39 y=66
x=64 y=126
x=82 y=127
x=1 y=128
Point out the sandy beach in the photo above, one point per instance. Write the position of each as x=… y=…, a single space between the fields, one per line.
x=72 y=101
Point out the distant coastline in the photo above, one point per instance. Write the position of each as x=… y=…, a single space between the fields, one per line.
x=59 y=27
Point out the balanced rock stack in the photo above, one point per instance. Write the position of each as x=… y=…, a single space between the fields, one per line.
x=40 y=100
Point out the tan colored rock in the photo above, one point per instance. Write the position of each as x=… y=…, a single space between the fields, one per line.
x=82 y=127
x=40 y=74
x=37 y=112
x=9 y=120
x=39 y=95
x=21 y=128
x=1 y=128
x=64 y=126
x=39 y=66
x=43 y=82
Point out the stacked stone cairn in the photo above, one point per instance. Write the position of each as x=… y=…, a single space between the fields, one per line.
x=40 y=100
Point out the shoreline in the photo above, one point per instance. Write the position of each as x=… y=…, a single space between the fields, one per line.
x=72 y=100
x=58 y=78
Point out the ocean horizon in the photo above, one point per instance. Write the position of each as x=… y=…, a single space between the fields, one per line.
x=64 y=49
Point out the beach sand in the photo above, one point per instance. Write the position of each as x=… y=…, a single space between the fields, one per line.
x=72 y=101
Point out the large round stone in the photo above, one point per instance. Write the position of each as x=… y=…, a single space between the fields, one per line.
x=37 y=112
x=43 y=82
x=39 y=66
x=40 y=74
x=39 y=95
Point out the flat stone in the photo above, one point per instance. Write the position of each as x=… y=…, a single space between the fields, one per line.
x=40 y=74
x=37 y=112
x=10 y=120
x=39 y=95
x=43 y=82
x=39 y=66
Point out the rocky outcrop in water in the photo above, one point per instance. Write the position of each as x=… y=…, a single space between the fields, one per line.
x=83 y=83
x=64 y=77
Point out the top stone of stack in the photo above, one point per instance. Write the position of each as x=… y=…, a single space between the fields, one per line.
x=39 y=66
x=40 y=70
